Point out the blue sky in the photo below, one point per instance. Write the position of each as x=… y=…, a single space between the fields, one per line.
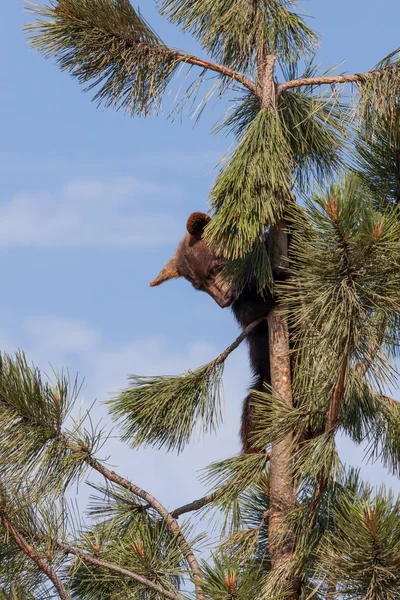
x=92 y=204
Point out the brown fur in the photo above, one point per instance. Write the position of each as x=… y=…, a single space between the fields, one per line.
x=195 y=261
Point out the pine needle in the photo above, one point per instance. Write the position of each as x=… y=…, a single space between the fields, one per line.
x=167 y=411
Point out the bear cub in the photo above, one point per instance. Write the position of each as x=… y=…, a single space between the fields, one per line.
x=195 y=261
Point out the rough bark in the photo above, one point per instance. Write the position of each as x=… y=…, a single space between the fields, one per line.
x=282 y=487
x=33 y=555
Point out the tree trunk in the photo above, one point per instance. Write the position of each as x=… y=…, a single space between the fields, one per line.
x=282 y=487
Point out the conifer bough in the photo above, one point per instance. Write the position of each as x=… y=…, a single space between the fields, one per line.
x=332 y=331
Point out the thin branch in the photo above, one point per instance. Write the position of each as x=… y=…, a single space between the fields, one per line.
x=105 y=565
x=364 y=365
x=246 y=331
x=34 y=556
x=330 y=80
x=198 y=504
x=221 y=69
x=160 y=509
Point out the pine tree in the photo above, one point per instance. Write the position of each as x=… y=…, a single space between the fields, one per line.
x=296 y=523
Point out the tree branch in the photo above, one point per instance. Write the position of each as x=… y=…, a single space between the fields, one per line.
x=34 y=556
x=330 y=80
x=330 y=427
x=105 y=565
x=221 y=69
x=195 y=505
x=159 y=508
x=246 y=331
x=198 y=504
x=364 y=365
x=126 y=40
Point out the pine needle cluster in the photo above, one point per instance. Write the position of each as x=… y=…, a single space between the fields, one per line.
x=363 y=554
x=229 y=31
x=110 y=46
x=250 y=191
x=167 y=411
x=344 y=295
x=378 y=161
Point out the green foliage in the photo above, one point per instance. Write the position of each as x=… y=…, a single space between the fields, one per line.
x=235 y=475
x=317 y=456
x=373 y=418
x=342 y=300
x=167 y=411
x=378 y=160
x=301 y=140
x=147 y=548
x=363 y=555
x=250 y=191
x=379 y=93
x=315 y=127
x=106 y=43
x=345 y=259
x=228 y=31
x=32 y=413
x=246 y=521
x=229 y=578
x=117 y=506
x=274 y=418
x=17 y=592
x=253 y=267
x=40 y=523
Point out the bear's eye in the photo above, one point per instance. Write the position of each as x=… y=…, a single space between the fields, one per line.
x=211 y=274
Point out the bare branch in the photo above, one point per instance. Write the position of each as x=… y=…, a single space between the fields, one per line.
x=221 y=69
x=246 y=331
x=198 y=504
x=329 y=80
x=105 y=565
x=34 y=556
x=195 y=505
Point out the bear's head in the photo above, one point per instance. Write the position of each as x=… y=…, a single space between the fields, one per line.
x=195 y=261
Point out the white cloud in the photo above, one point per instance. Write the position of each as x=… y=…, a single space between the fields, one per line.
x=122 y=211
x=61 y=335
x=198 y=162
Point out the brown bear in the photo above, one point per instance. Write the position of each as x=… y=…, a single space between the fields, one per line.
x=195 y=261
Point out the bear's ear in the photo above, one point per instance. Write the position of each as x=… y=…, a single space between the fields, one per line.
x=196 y=223
x=169 y=271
